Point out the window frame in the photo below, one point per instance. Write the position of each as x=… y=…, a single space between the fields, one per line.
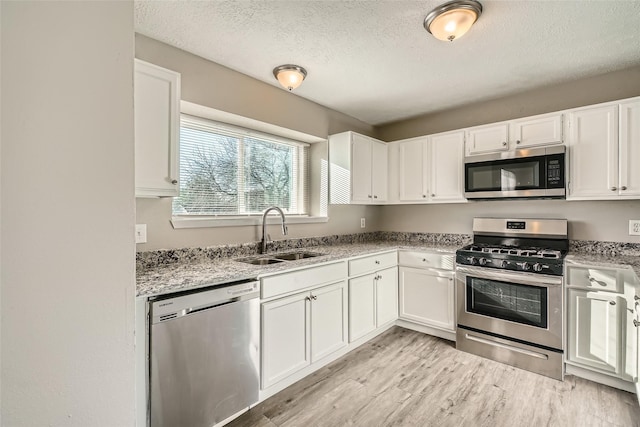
x=301 y=176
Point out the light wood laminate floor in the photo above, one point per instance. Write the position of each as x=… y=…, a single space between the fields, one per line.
x=405 y=378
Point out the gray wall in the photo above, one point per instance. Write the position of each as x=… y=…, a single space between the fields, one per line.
x=210 y=84
x=588 y=220
x=575 y=93
x=597 y=220
x=67 y=280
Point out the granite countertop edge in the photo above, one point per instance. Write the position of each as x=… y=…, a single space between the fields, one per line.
x=180 y=277
x=189 y=276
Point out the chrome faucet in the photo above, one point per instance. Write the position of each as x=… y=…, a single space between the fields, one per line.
x=265 y=237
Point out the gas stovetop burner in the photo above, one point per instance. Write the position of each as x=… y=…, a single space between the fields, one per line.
x=528 y=245
x=510 y=250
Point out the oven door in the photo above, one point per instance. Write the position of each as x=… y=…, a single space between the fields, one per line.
x=522 y=306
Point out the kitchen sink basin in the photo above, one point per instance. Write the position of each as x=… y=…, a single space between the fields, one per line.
x=259 y=261
x=293 y=256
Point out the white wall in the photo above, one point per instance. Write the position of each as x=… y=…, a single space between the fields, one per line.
x=67 y=214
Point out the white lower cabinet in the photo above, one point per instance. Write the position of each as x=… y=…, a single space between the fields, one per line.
x=601 y=332
x=373 y=302
x=300 y=329
x=427 y=296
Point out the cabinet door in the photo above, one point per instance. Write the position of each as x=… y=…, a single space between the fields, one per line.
x=488 y=139
x=593 y=154
x=379 y=171
x=285 y=337
x=361 y=154
x=386 y=296
x=362 y=316
x=412 y=170
x=328 y=320
x=594 y=329
x=427 y=297
x=447 y=167
x=630 y=148
x=539 y=130
x=157 y=128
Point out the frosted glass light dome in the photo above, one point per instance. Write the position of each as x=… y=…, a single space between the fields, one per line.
x=452 y=20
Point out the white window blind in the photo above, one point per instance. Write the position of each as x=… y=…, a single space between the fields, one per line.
x=227 y=170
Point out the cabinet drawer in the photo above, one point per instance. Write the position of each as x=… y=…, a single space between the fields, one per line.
x=416 y=259
x=372 y=263
x=302 y=279
x=601 y=279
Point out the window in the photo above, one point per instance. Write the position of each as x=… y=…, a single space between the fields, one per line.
x=227 y=170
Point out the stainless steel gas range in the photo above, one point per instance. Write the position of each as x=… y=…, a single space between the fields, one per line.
x=509 y=293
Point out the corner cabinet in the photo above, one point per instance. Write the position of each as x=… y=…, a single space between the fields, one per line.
x=358 y=169
x=604 y=155
x=157 y=128
x=430 y=168
x=602 y=320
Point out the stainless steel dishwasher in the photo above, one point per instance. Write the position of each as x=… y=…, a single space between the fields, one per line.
x=204 y=355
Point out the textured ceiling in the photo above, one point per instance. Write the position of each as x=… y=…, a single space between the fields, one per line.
x=373 y=60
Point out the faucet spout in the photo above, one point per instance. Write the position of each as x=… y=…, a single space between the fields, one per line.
x=264 y=226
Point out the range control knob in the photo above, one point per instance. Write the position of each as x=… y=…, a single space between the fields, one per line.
x=503 y=264
x=473 y=260
x=482 y=261
x=537 y=267
x=526 y=266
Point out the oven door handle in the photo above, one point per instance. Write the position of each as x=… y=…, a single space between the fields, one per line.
x=512 y=277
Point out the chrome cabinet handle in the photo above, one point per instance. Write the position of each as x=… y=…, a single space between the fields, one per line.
x=424 y=260
x=504 y=144
x=424 y=196
x=369 y=196
x=433 y=195
x=307 y=298
x=612 y=302
x=623 y=188
x=636 y=297
x=636 y=323
x=174 y=181
x=314 y=297
x=375 y=197
x=518 y=142
x=614 y=188
x=377 y=262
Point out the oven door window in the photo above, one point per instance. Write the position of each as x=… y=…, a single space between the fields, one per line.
x=506 y=175
x=509 y=301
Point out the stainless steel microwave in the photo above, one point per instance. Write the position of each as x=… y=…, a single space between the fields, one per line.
x=526 y=174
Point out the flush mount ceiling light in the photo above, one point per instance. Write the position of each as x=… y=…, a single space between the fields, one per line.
x=452 y=20
x=290 y=76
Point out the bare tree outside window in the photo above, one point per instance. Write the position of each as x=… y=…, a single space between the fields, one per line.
x=230 y=175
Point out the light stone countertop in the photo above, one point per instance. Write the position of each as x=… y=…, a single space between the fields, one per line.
x=187 y=276
x=610 y=261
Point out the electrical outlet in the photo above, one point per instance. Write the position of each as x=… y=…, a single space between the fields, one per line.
x=362 y=223
x=141 y=233
x=634 y=227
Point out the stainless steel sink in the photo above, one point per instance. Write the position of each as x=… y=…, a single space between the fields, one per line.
x=259 y=261
x=293 y=256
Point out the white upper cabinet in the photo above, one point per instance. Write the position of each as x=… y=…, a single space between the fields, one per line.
x=358 y=169
x=539 y=130
x=629 y=148
x=430 y=168
x=604 y=154
x=447 y=167
x=488 y=138
x=413 y=161
x=545 y=129
x=157 y=128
